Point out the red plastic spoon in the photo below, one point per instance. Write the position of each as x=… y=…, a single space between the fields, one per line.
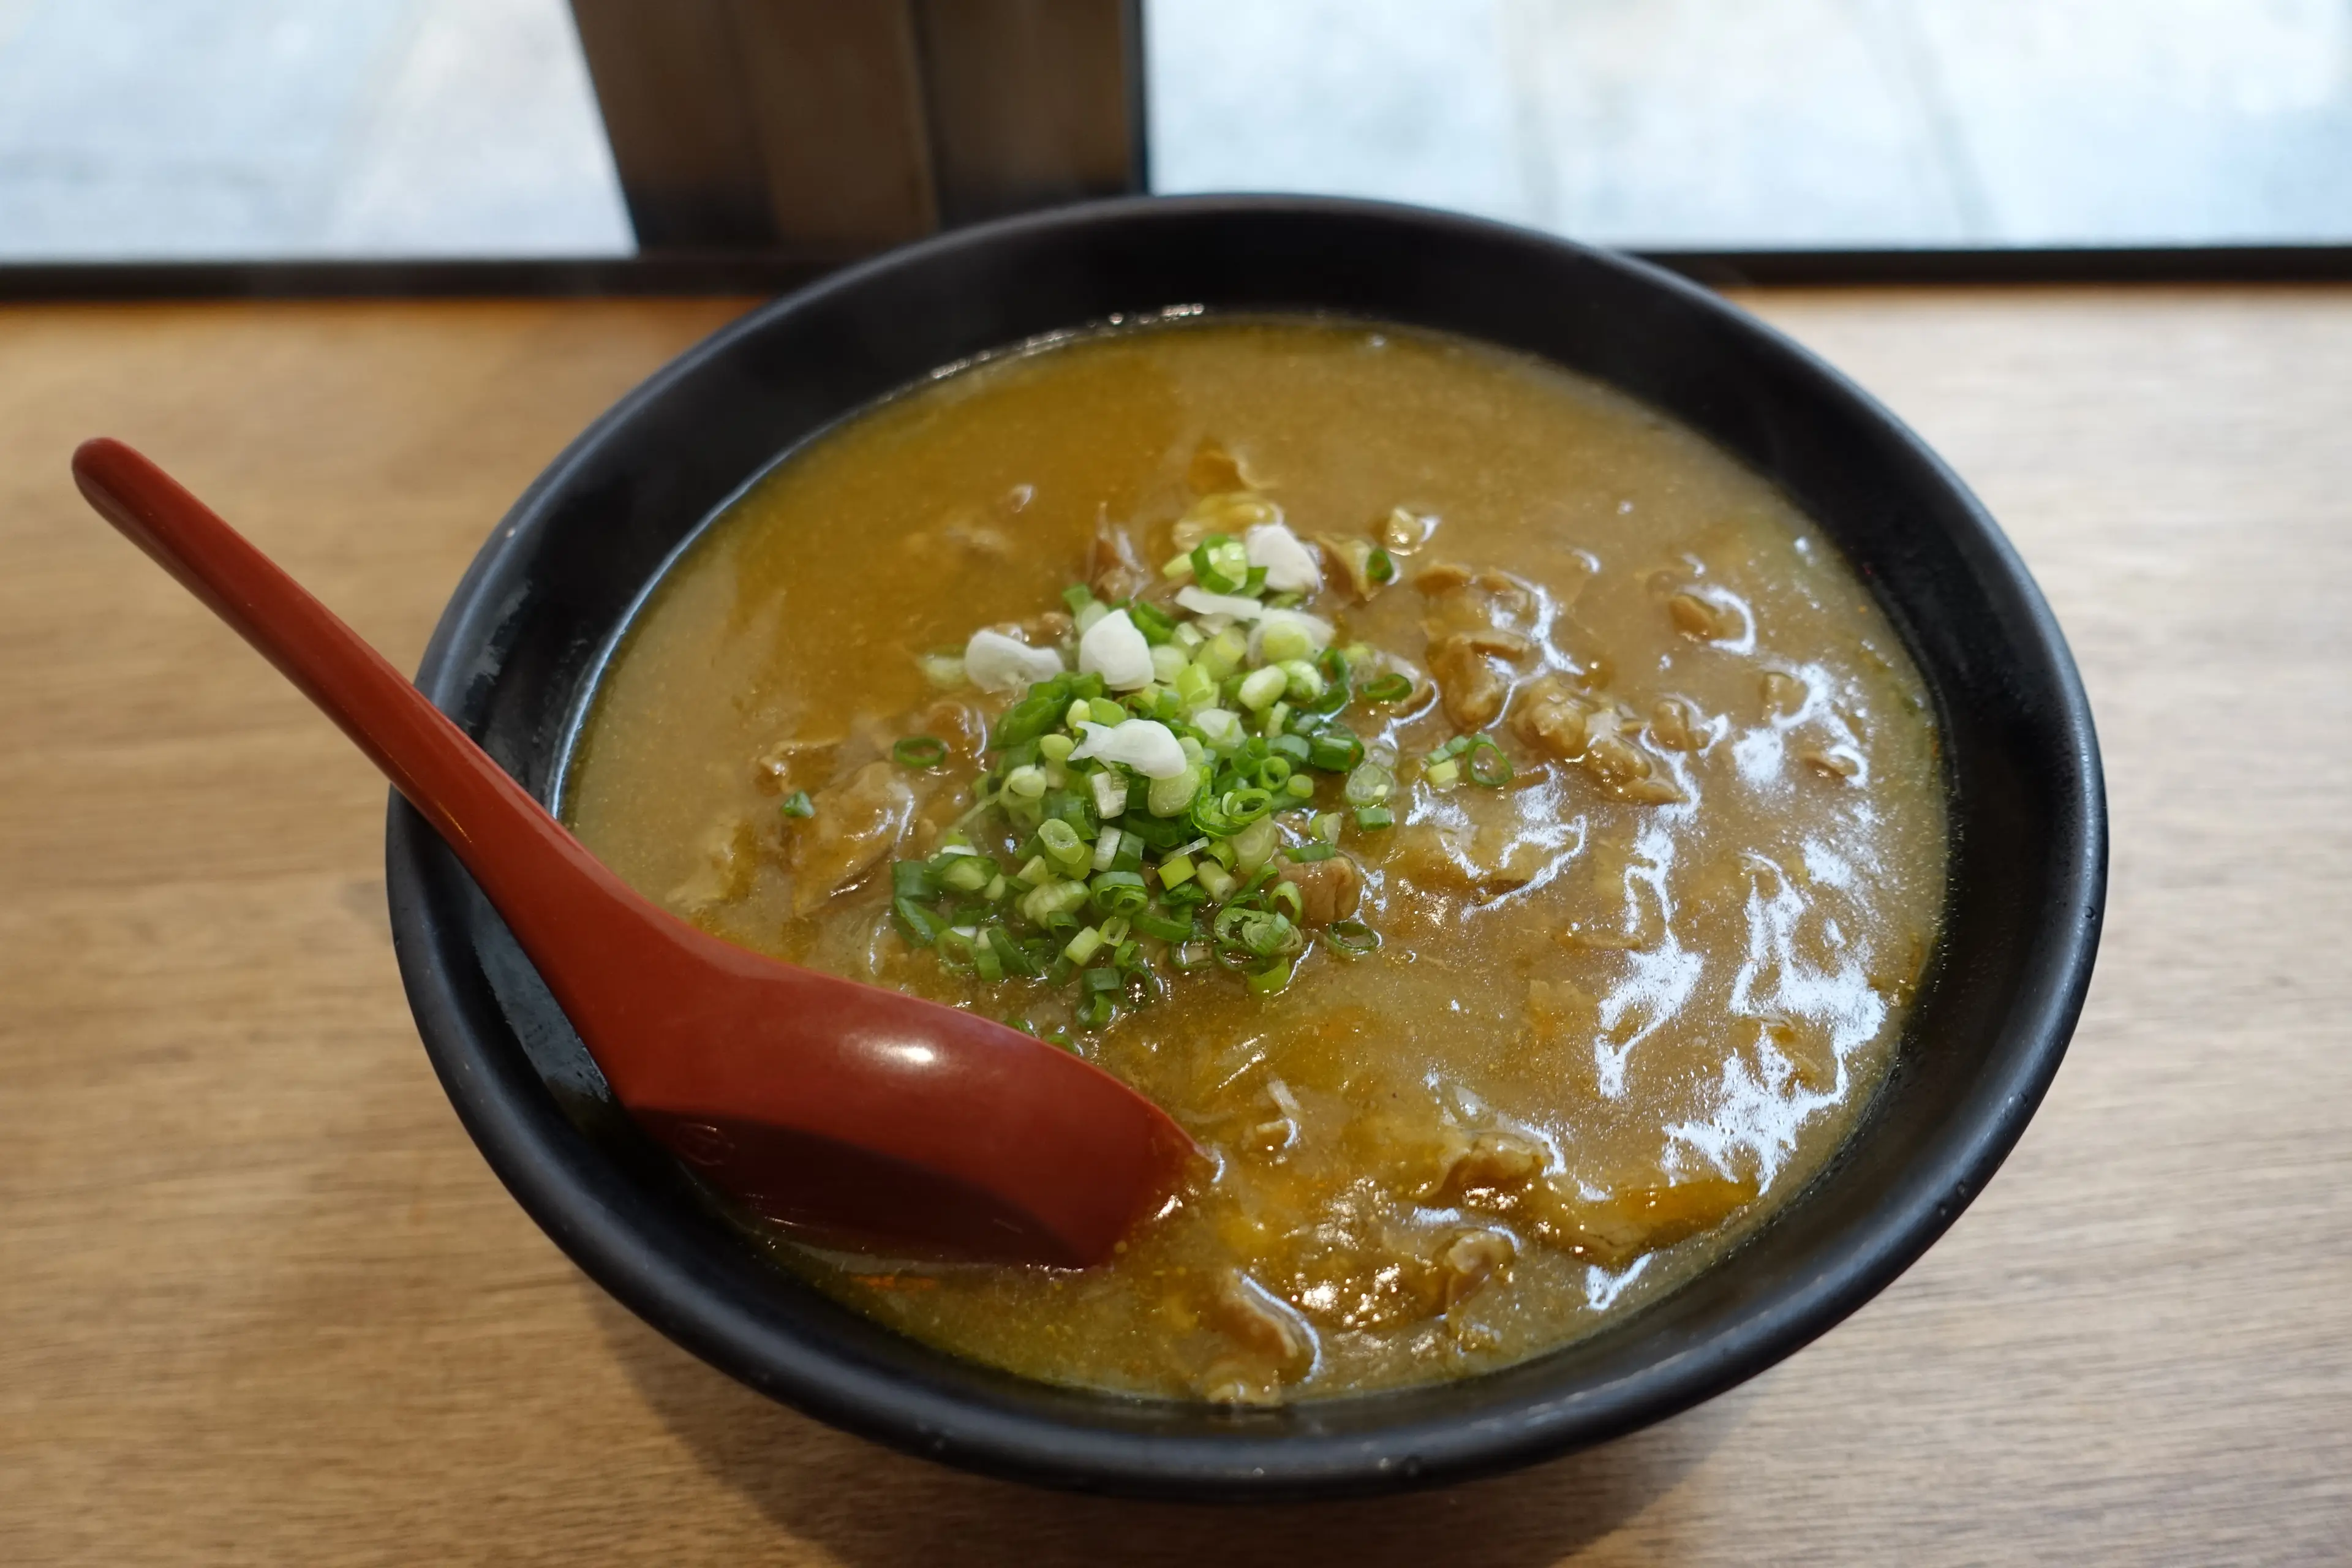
x=854 y=1113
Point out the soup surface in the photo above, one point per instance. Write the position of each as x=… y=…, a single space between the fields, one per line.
x=1552 y=837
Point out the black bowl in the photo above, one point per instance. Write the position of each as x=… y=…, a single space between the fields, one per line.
x=522 y=640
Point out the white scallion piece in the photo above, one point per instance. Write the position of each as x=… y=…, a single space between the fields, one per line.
x=1200 y=601
x=1111 y=793
x=1319 y=631
x=944 y=670
x=1222 y=728
x=1107 y=847
x=1114 y=649
x=1290 y=566
x=999 y=663
x=1146 y=745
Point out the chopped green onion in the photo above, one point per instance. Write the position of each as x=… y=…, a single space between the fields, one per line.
x=1079 y=713
x=1274 y=773
x=1196 y=688
x=1082 y=946
x=1223 y=655
x=1035 y=872
x=1487 y=763
x=1254 y=845
x=1106 y=711
x=1371 y=819
x=1110 y=792
x=1173 y=796
x=1176 y=870
x=1270 y=980
x=798 y=803
x=1161 y=927
x=985 y=960
x=917 y=924
x=1351 y=939
x=1158 y=834
x=1220 y=728
x=1097 y=1011
x=967 y=873
x=943 y=671
x=1261 y=686
x=1335 y=696
x=1026 y=782
x=920 y=752
x=1300 y=787
x=1247 y=805
x=1063 y=846
x=1114 y=930
x=1088 y=614
x=1369 y=786
x=1055 y=748
x=1107 y=849
x=1215 y=879
x=1071 y=807
x=1178 y=566
x=1334 y=748
x=1010 y=954
x=1188 y=958
x=1265 y=932
x=1380 y=566
x=1325 y=827
x=1389 y=688
x=1284 y=640
x=1220 y=564
x=1045 y=903
x=1168 y=663
x=1119 y=892
x=1305 y=854
x=1306 y=682
x=1441 y=774
x=1151 y=620
x=913 y=879
x=1040 y=711
x=1077 y=596
x=996 y=889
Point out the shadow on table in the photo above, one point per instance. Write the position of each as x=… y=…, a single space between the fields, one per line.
x=879 y=1509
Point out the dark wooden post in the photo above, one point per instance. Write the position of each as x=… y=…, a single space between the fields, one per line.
x=833 y=127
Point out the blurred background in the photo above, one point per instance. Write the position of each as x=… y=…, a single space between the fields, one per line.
x=259 y=128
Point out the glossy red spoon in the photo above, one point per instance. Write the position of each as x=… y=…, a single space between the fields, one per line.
x=853 y=1113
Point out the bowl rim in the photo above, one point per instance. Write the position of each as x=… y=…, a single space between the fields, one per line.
x=552 y=1171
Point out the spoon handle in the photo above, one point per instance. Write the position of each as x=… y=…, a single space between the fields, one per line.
x=506 y=838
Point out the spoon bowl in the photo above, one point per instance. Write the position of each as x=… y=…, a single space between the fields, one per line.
x=848 y=1113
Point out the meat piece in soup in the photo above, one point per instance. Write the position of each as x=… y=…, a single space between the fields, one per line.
x=1498 y=826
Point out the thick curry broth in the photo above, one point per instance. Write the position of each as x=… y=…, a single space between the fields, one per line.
x=1597 y=1026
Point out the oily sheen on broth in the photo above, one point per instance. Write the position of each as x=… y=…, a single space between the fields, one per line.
x=1515 y=877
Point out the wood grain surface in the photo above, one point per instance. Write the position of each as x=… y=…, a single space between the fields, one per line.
x=260 y=1301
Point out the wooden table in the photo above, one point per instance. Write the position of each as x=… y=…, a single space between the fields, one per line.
x=261 y=1301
